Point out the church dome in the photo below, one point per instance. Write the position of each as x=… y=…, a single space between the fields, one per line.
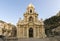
x=30 y=5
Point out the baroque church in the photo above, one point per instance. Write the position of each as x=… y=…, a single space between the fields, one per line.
x=30 y=26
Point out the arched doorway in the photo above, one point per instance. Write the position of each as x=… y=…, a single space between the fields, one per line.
x=30 y=32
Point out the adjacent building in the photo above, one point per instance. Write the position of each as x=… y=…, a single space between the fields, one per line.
x=7 y=29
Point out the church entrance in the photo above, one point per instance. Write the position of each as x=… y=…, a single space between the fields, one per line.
x=30 y=32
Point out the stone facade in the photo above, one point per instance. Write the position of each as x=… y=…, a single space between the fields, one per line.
x=30 y=26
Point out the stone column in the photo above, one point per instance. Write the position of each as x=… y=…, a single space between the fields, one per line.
x=38 y=32
x=27 y=32
x=23 y=33
x=34 y=32
x=18 y=33
x=43 y=32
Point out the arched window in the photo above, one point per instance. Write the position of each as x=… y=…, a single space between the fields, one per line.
x=30 y=11
x=30 y=19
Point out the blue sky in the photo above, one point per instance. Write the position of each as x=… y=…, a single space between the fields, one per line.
x=12 y=10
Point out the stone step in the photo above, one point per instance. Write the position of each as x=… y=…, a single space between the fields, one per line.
x=30 y=39
x=33 y=39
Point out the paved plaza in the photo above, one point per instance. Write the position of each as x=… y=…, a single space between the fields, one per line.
x=56 y=38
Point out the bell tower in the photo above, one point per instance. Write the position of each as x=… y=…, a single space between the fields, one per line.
x=30 y=14
x=30 y=9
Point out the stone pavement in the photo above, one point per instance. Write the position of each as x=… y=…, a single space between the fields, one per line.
x=56 y=38
x=1 y=39
x=33 y=39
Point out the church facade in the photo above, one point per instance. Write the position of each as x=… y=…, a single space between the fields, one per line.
x=30 y=26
